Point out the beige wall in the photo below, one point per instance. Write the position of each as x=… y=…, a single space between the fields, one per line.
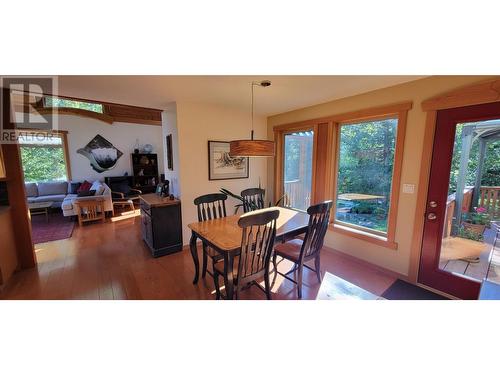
x=196 y=125
x=417 y=91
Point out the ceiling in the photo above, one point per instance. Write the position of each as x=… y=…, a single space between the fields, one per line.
x=285 y=94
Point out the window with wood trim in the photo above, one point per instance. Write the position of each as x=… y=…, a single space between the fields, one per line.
x=365 y=162
x=356 y=162
x=44 y=156
x=54 y=102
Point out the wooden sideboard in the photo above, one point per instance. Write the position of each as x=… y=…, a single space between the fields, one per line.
x=161 y=224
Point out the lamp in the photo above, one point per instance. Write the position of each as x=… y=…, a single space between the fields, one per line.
x=252 y=147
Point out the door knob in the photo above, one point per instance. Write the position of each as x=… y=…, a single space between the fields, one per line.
x=433 y=204
x=431 y=216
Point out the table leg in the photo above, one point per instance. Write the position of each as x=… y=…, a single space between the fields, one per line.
x=194 y=254
x=47 y=215
x=228 y=274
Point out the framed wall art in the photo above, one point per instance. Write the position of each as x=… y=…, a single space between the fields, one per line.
x=221 y=166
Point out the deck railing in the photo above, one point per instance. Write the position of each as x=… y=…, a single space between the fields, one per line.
x=297 y=194
x=489 y=198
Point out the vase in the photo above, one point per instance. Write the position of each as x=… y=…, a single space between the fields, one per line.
x=476 y=228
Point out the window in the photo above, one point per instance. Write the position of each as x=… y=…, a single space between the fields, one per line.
x=364 y=175
x=44 y=157
x=52 y=102
x=297 y=169
x=352 y=158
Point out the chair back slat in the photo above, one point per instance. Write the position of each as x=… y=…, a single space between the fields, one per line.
x=253 y=199
x=211 y=206
x=259 y=233
x=319 y=218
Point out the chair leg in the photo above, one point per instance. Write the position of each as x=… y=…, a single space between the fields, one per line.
x=216 y=283
x=268 y=287
x=299 y=281
x=205 y=261
x=275 y=264
x=317 y=263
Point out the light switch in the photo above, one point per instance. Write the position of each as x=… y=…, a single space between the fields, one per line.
x=409 y=188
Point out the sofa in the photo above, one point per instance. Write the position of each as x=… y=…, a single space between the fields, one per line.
x=63 y=195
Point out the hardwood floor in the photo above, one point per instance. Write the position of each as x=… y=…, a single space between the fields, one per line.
x=110 y=261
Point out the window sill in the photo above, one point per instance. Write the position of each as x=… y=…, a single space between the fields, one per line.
x=368 y=237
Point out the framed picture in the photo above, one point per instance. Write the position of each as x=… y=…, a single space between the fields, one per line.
x=170 y=160
x=221 y=166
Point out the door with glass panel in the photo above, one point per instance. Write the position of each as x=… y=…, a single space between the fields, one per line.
x=298 y=169
x=461 y=242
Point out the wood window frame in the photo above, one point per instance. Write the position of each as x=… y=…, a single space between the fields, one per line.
x=325 y=163
x=63 y=134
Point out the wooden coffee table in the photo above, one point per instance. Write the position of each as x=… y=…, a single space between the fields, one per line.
x=40 y=208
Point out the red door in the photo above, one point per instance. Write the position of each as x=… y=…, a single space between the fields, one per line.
x=454 y=258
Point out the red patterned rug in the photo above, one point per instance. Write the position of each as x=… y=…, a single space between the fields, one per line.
x=57 y=228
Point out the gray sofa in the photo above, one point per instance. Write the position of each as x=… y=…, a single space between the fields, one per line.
x=60 y=194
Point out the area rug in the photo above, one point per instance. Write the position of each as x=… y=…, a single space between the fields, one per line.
x=401 y=290
x=57 y=228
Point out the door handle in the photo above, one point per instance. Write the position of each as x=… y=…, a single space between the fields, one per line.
x=431 y=216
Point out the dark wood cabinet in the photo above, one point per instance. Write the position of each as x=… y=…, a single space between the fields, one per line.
x=145 y=171
x=161 y=224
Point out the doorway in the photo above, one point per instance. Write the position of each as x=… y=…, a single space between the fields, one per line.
x=460 y=245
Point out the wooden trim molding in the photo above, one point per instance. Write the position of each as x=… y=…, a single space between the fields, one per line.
x=359 y=115
x=479 y=93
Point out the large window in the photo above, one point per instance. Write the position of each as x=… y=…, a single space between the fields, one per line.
x=354 y=159
x=44 y=157
x=297 y=169
x=364 y=176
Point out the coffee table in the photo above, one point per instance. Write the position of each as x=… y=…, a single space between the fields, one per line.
x=40 y=208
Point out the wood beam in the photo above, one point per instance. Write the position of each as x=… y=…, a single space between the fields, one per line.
x=479 y=172
x=467 y=134
x=16 y=192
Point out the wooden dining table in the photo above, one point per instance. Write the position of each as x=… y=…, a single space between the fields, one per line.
x=224 y=236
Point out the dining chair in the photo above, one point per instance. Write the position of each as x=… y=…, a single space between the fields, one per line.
x=300 y=251
x=257 y=241
x=253 y=199
x=210 y=206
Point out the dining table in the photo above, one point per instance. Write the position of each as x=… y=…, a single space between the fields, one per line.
x=224 y=236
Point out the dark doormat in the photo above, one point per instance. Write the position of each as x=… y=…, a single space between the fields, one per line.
x=401 y=290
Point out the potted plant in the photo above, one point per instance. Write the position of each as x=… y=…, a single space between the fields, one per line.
x=476 y=221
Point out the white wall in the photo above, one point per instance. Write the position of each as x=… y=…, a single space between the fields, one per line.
x=169 y=126
x=196 y=125
x=122 y=135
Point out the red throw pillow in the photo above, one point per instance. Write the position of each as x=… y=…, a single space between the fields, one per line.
x=85 y=186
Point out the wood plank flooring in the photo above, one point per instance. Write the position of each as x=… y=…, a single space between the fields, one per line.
x=110 y=261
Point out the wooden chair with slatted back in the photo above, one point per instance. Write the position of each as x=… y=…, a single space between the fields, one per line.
x=253 y=199
x=210 y=206
x=301 y=251
x=257 y=241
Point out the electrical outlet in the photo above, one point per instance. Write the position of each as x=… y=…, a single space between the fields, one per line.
x=409 y=188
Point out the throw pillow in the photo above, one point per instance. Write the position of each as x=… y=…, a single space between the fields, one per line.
x=85 y=186
x=86 y=193
x=73 y=187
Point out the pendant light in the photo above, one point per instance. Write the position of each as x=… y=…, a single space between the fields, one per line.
x=252 y=147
